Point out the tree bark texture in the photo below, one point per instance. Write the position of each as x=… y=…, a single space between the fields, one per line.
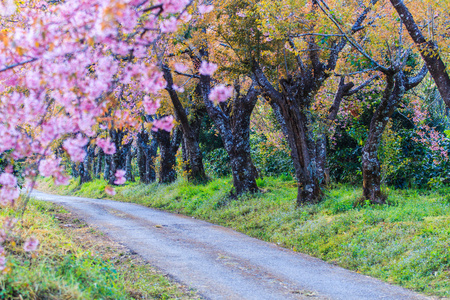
x=117 y=159
x=99 y=163
x=195 y=169
x=307 y=152
x=86 y=165
x=232 y=120
x=128 y=164
x=396 y=86
x=146 y=154
x=168 y=147
x=106 y=172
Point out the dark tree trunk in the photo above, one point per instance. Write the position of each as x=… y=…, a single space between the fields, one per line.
x=128 y=166
x=140 y=155
x=194 y=166
x=86 y=165
x=307 y=152
x=428 y=50
x=99 y=163
x=117 y=161
x=396 y=86
x=107 y=169
x=168 y=147
x=233 y=123
x=151 y=154
x=75 y=172
x=244 y=172
x=146 y=155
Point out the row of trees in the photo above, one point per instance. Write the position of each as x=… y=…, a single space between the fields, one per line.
x=81 y=75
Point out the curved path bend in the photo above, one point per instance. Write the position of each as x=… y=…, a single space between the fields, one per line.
x=221 y=263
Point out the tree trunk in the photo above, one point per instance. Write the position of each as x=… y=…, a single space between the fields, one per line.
x=196 y=171
x=117 y=159
x=394 y=90
x=168 y=147
x=146 y=155
x=107 y=170
x=99 y=163
x=86 y=165
x=307 y=152
x=128 y=166
x=233 y=123
x=151 y=154
x=75 y=172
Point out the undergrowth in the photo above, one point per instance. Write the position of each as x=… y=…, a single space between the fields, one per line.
x=404 y=242
x=61 y=269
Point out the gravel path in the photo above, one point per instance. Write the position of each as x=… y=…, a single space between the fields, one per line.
x=221 y=263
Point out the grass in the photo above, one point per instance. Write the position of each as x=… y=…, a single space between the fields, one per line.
x=63 y=269
x=406 y=242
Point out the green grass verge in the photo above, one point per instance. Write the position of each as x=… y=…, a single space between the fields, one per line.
x=406 y=242
x=61 y=269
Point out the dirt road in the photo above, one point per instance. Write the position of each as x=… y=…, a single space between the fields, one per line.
x=221 y=263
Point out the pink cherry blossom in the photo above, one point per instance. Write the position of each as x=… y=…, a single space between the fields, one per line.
x=185 y=17
x=110 y=190
x=2 y=261
x=74 y=148
x=165 y=123
x=49 y=166
x=220 y=93
x=169 y=25
x=8 y=195
x=207 y=68
x=31 y=244
x=174 y=6
x=180 y=68
x=120 y=177
x=8 y=179
x=177 y=88
x=61 y=179
x=204 y=9
x=151 y=106
x=106 y=145
x=7 y=8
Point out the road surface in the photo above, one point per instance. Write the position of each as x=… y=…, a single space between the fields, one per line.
x=221 y=263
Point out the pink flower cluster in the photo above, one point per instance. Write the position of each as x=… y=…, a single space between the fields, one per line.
x=9 y=190
x=31 y=244
x=120 y=177
x=165 y=123
x=151 y=106
x=110 y=190
x=74 y=148
x=106 y=145
x=51 y=167
x=62 y=68
x=207 y=68
x=5 y=234
x=220 y=93
x=169 y=25
x=204 y=9
x=2 y=259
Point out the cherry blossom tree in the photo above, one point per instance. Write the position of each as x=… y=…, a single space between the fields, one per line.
x=64 y=66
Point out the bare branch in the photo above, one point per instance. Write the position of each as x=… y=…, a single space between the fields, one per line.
x=6 y=68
